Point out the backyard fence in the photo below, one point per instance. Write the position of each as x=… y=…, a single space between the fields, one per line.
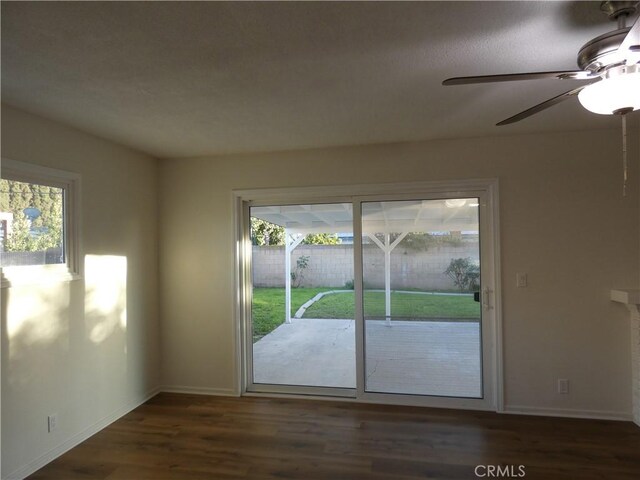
x=332 y=265
x=42 y=257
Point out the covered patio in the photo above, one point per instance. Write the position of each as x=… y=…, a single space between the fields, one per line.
x=423 y=356
x=412 y=357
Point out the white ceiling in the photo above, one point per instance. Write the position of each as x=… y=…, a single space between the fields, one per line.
x=180 y=79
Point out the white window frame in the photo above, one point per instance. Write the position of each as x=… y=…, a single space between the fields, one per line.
x=485 y=189
x=70 y=182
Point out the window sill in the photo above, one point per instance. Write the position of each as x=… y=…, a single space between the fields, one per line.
x=35 y=275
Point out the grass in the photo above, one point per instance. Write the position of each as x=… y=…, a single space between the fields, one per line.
x=267 y=310
x=403 y=305
x=268 y=306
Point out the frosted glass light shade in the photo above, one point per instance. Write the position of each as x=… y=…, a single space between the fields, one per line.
x=612 y=93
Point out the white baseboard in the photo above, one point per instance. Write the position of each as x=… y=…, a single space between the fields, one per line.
x=75 y=440
x=221 y=392
x=568 y=413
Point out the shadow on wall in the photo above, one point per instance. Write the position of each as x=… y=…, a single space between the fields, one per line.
x=35 y=330
x=64 y=351
x=37 y=317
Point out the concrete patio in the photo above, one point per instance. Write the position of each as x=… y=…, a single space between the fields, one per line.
x=411 y=357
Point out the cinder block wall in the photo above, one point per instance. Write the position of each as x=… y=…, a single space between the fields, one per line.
x=332 y=265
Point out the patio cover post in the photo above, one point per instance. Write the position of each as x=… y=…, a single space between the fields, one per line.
x=289 y=244
x=387 y=248
x=387 y=279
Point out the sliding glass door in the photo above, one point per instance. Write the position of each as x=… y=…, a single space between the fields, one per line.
x=421 y=269
x=384 y=298
x=302 y=309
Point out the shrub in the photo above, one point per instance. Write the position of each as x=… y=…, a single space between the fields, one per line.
x=464 y=273
x=297 y=276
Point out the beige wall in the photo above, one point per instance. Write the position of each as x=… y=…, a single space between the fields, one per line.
x=563 y=221
x=88 y=349
x=67 y=350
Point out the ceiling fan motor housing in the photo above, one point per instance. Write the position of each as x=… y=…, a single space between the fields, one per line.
x=602 y=51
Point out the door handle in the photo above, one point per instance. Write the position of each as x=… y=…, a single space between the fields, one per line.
x=486 y=298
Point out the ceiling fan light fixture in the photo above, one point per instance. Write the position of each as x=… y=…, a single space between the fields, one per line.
x=619 y=90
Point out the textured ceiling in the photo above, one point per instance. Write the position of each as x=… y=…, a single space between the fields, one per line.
x=180 y=79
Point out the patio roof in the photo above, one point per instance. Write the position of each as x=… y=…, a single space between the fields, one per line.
x=386 y=218
x=377 y=217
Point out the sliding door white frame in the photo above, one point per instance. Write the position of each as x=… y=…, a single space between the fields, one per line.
x=484 y=189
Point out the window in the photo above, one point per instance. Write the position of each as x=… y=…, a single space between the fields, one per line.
x=38 y=223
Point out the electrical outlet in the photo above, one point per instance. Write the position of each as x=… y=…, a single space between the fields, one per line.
x=521 y=280
x=563 y=386
x=52 y=422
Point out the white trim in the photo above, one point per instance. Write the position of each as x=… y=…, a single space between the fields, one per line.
x=303 y=390
x=567 y=413
x=301 y=396
x=358 y=287
x=274 y=196
x=494 y=194
x=352 y=399
x=243 y=292
x=32 y=172
x=71 y=183
x=75 y=440
x=485 y=189
x=240 y=219
x=218 y=392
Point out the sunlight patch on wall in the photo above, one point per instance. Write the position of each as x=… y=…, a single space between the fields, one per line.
x=105 y=295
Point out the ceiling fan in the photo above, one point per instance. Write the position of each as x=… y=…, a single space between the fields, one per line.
x=612 y=60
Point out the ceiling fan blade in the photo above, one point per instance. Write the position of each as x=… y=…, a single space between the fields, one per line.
x=541 y=106
x=632 y=40
x=511 y=77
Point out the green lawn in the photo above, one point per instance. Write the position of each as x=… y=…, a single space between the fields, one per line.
x=268 y=306
x=406 y=305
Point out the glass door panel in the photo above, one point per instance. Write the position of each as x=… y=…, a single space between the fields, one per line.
x=302 y=309
x=422 y=321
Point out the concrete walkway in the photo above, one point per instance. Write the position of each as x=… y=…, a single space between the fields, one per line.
x=424 y=358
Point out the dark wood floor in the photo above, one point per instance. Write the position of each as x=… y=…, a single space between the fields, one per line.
x=195 y=437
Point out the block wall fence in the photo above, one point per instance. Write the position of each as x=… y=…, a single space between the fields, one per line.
x=332 y=265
